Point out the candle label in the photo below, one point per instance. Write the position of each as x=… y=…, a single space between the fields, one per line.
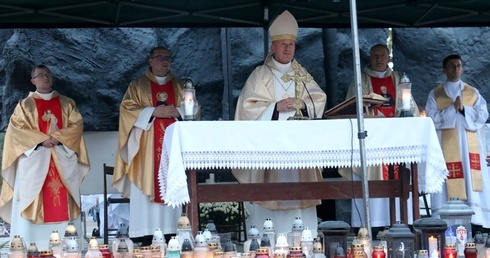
x=461 y=234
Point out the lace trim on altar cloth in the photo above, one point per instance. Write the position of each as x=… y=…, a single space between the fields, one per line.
x=178 y=187
x=435 y=173
x=435 y=169
x=301 y=159
x=432 y=170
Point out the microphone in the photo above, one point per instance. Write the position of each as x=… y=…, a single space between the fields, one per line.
x=312 y=103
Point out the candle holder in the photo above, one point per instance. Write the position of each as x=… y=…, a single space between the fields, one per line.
x=334 y=234
x=430 y=235
x=189 y=102
x=470 y=250
x=365 y=240
x=450 y=251
x=422 y=254
x=400 y=241
x=378 y=252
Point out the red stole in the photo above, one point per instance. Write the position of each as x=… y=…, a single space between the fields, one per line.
x=54 y=193
x=159 y=126
x=387 y=109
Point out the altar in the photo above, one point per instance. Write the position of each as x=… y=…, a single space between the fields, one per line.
x=198 y=145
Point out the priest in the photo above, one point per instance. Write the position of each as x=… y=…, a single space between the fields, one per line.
x=150 y=105
x=377 y=77
x=44 y=162
x=459 y=112
x=266 y=96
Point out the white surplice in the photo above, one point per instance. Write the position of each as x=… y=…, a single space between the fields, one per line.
x=474 y=119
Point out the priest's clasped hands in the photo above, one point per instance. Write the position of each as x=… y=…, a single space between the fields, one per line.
x=288 y=105
x=50 y=143
x=165 y=111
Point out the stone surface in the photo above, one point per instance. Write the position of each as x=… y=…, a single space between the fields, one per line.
x=95 y=66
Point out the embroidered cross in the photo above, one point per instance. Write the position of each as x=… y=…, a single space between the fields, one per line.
x=455 y=170
x=475 y=161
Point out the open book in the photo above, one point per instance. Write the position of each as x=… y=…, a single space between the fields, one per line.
x=348 y=107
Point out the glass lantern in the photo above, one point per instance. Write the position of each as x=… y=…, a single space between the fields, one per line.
x=189 y=102
x=123 y=234
x=71 y=242
x=32 y=251
x=55 y=244
x=268 y=229
x=158 y=240
x=400 y=241
x=17 y=248
x=430 y=234
x=294 y=236
x=456 y=213
x=404 y=102
x=184 y=230
x=173 y=248
x=334 y=234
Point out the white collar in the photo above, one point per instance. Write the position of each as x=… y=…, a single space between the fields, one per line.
x=282 y=67
x=455 y=85
x=380 y=74
x=161 y=79
x=45 y=96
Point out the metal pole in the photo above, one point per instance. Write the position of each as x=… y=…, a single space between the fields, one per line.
x=360 y=116
x=266 y=31
x=227 y=100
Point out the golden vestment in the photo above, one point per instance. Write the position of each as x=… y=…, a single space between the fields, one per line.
x=22 y=135
x=257 y=95
x=130 y=169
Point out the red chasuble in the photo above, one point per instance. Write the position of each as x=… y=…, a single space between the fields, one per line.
x=387 y=109
x=54 y=193
x=161 y=95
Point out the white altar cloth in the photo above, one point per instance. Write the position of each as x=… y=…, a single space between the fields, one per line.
x=297 y=144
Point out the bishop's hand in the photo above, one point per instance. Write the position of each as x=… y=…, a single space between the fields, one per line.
x=288 y=104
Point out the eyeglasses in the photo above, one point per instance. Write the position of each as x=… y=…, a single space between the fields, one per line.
x=454 y=66
x=43 y=75
x=162 y=58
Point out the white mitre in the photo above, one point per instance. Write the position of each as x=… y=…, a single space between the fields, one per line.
x=284 y=27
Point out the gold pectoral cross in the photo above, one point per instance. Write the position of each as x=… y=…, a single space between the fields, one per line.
x=298 y=79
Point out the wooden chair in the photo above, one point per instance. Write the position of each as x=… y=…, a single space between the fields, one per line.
x=426 y=204
x=109 y=171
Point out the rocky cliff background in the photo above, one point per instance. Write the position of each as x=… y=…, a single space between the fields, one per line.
x=95 y=66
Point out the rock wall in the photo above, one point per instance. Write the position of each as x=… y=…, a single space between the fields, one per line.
x=95 y=66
